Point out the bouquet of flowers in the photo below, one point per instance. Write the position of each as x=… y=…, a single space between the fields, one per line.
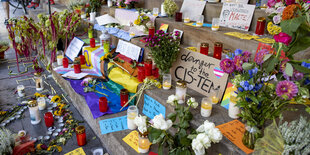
x=165 y=48
x=170 y=7
x=142 y=19
x=129 y=4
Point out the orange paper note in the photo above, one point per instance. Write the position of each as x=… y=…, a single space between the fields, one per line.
x=132 y=140
x=233 y=131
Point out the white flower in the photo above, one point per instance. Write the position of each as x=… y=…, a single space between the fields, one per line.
x=192 y=102
x=140 y=121
x=172 y=99
x=198 y=147
x=61 y=140
x=201 y=128
x=279 y=4
x=215 y=135
x=280 y=10
x=208 y=125
x=160 y=123
x=270 y=10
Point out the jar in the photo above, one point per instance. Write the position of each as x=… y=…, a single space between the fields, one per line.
x=65 y=62
x=143 y=143
x=105 y=41
x=110 y=4
x=215 y=96
x=233 y=110
x=166 y=81
x=21 y=90
x=48 y=119
x=90 y=33
x=180 y=91
x=82 y=59
x=218 y=48
x=80 y=135
x=178 y=16
x=204 y=48
x=141 y=73
x=77 y=66
x=132 y=113
x=206 y=107
x=200 y=21
x=151 y=31
x=103 y=104
x=41 y=103
x=148 y=67
x=260 y=26
x=92 y=42
x=186 y=18
x=215 y=24
x=34 y=112
x=59 y=58
x=155 y=12
x=39 y=81
x=124 y=96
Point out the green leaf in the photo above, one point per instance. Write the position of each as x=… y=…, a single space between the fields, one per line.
x=172 y=116
x=267 y=57
x=289 y=69
x=185 y=141
x=301 y=68
x=192 y=136
x=188 y=115
x=271 y=65
x=291 y=26
x=154 y=134
x=247 y=66
x=184 y=124
x=160 y=149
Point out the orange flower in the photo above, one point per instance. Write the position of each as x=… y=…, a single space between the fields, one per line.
x=290 y=11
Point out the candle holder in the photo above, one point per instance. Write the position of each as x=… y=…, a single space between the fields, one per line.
x=34 y=112
x=178 y=16
x=103 y=104
x=204 y=48
x=215 y=24
x=218 y=49
x=124 y=96
x=200 y=21
x=143 y=143
x=186 y=18
x=155 y=12
x=48 y=119
x=166 y=81
x=132 y=113
x=92 y=42
x=59 y=58
x=233 y=110
x=148 y=67
x=141 y=73
x=77 y=65
x=206 y=107
x=80 y=135
x=151 y=31
x=39 y=81
x=180 y=91
x=214 y=96
x=21 y=90
x=82 y=59
x=41 y=103
x=65 y=62
x=260 y=26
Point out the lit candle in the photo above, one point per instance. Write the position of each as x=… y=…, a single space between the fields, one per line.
x=233 y=110
x=166 y=81
x=215 y=24
x=48 y=119
x=132 y=113
x=214 y=99
x=41 y=103
x=59 y=60
x=34 y=112
x=155 y=12
x=144 y=144
x=206 y=107
x=199 y=22
x=21 y=90
x=180 y=91
x=124 y=94
x=218 y=49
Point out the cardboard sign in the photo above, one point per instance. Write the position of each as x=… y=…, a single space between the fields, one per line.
x=128 y=49
x=113 y=124
x=132 y=139
x=233 y=131
x=74 y=48
x=192 y=9
x=202 y=73
x=151 y=107
x=237 y=16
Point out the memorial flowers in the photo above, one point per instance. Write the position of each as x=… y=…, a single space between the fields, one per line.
x=142 y=19
x=162 y=53
x=170 y=7
x=128 y=4
x=141 y=122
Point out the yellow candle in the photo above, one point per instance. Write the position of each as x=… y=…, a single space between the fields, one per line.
x=215 y=100
x=132 y=115
x=199 y=24
x=132 y=34
x=166 y=85
x=206 y=106
x=187 y=20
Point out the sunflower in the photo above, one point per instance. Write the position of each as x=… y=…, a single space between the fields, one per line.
x=56 y=99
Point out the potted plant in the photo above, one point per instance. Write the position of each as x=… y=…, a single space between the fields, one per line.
x=4 y=46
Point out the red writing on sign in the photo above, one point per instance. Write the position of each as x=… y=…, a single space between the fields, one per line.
x=237 y=16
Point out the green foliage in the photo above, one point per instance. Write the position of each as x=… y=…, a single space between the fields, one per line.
x=170 y=7
x=7 y=141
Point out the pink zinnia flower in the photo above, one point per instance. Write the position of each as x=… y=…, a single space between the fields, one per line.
x=246 y=56
x=286 y=89
x=227 y=66
x=238 y=60
x=259 y=58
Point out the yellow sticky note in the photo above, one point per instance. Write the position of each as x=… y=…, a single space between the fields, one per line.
x=78 y=151
x=194 y=49
x=132 y=139
x=266 y=40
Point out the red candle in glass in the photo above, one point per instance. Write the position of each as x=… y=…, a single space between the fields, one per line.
x=155 y=72
x=151 y=31
x=124 y=96
x=260 y=26
x=178 y=16
x=82 y=59
x=65 y=62
x=148 y=67
x=141 y=73
x=92 y=42
x=218 y=48
x=80 y=135
x=48 y=119
x=103 y=104
x=204 y=48
x=77 y=68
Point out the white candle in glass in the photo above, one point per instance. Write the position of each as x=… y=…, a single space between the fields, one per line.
x=200 y=21
x=180 y=91
x=41 y=103
x=21 y=90
x=166 y=81
x=215 y=24
x=233 y=110
x=206 y=107
x=34 y=112
x=155 y=12
x=132 y=113
x=110 y=3
x=186 y=18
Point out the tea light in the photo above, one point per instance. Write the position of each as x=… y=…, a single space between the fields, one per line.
x=214 y=99
x=180 y=91
x=132 y=112
x=41 y=103
x=21 y=90
x=215 y=24
x=143 y=144
x=186 y=18
x=200 y=20
x=155 y=12
x=57 y=130
x=206 y=107
x=166 y=81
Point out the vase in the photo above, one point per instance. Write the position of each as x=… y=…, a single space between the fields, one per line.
x=250 y=136
x=39 y=82
x=143 y=143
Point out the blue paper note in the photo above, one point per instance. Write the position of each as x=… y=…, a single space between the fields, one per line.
x=152 y=107
x=204 y=25
x=113 y=124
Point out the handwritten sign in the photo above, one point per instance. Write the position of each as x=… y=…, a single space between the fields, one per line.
x=132 y=140
x=106 y=19
x=113 y=124
x=202 y=73
x=233 y=131
x=78 y=151
x=152 y=107
x=74 y=48
x=128 y=49
x=237 y=16
x=192 y=9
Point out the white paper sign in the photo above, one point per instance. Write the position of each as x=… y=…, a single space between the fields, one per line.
x=74 y=48
x=128 y=49
x=192 y=8
x=237 y=16
x=106 y=19
x=72 y=75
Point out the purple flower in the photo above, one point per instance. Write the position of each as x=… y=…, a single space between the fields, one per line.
x=238 y=60
x=227 y=66
x=246 y=56
x=272 y=3
x=286 y=89
x=259 y=58
x=276 y=19
x=289 y=2
x=298 y=75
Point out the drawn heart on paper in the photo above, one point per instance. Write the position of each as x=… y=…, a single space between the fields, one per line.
x=246 y=27
x=218 y=72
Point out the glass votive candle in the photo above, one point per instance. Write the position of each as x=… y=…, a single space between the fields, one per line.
x=21 y=90
x=77 y=66
x=41 y=103
x=155 y=12
x=180 y=91
x=80 y=135
x=132 y=32
x=59 y=59
x=148 y=67
x=204 y=48
x=82 y=59
x=34 y=112
x=206 y=107
x=103 y=104
x=143 y=143
x=233 y=110
x=92 y=42
x=132 y=113
x=218 y=49
x=260 y=26
x=48 y=119
x=215 y=24
x=166 y=81
x=200 y=21
x=214 y=97
x=65 y=62
x=151 y=31
x=124 y=96
x=186 y=19
x=178 y=16
x=141 y=73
